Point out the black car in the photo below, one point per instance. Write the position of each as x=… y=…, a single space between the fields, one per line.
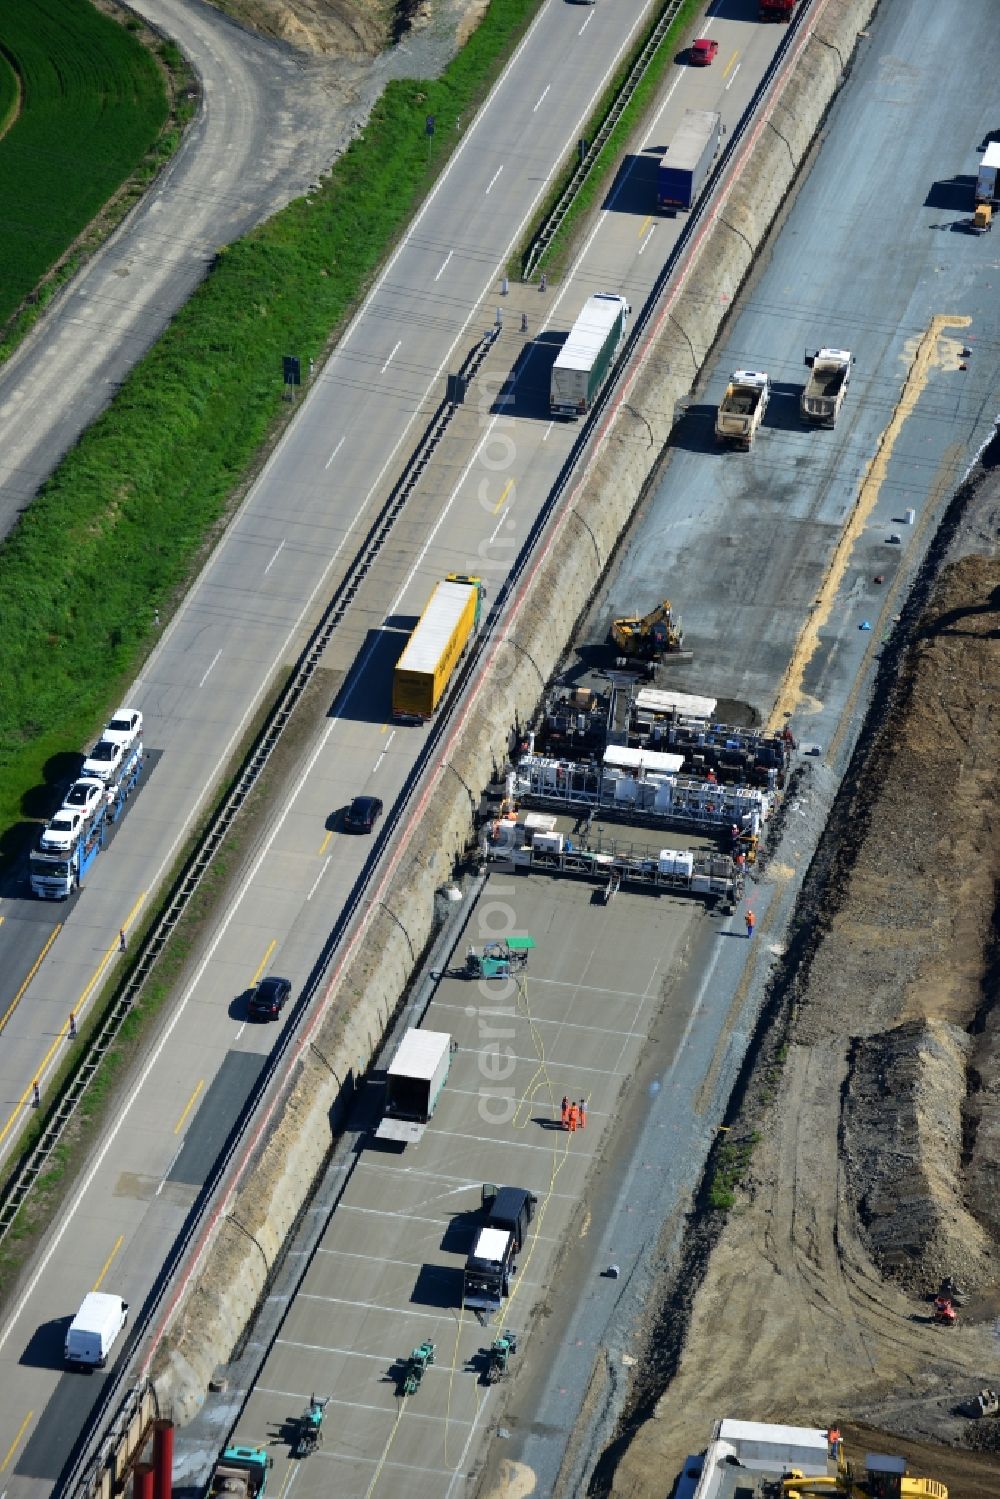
x=269 y=998
x=362 y=815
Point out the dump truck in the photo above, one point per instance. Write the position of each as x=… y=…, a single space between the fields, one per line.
x=491 y=1262
x=435 y=647
x=988 y=176
x=688 y=159
x=585 y=359
x=742 y=408
x=824 y=391
x=240 y=1473
x=414 y=1082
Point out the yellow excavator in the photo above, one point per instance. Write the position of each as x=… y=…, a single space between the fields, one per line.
x=880 y=1478
x=648 y=637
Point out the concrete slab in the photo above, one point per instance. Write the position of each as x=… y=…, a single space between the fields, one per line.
x=389 y=1270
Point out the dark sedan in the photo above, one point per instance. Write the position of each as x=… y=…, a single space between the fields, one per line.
x=269 y=998
x=362 y=815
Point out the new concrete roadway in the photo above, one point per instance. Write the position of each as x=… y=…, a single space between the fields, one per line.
x=247 y=616
x=751 y=546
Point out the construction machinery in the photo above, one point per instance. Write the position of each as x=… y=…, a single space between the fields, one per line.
x=742 y=408
x=648 y=637
x=986 y=1403
x=240 y=1473
x=945 y=1312
x=500 y=959
x=309 y=1434
x=502 y=1351
x=881 y=1477
x=417 y=1365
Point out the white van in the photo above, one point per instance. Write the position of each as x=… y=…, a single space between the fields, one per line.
x=95 y=1329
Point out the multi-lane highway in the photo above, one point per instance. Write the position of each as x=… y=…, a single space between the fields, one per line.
x=249 y=614
x=749 y=546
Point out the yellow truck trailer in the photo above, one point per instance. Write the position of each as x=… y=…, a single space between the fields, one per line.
x=434 y=649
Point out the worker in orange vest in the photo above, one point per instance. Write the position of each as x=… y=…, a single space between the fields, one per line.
x=751 y=922
x=574 y=1118
x=583 y=1113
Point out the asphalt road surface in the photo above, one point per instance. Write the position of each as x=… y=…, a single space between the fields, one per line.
x=247 y=616
x=745 y=543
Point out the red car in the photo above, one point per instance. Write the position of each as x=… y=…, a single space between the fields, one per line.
x=703 y=52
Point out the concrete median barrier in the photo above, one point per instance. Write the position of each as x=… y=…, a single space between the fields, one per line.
x=234 y=1268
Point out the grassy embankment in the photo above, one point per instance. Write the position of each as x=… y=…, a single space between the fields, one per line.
x=556 y=259
x=93 y=106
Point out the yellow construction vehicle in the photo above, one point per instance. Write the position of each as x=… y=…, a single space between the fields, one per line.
x=650 y=636
x=880 y=1478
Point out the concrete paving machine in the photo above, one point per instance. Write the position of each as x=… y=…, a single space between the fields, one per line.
x=502 y=1351
x=881 y=1477
x=310 y=1428
x=500 y=959
x=417 y=1365
x=648 y=637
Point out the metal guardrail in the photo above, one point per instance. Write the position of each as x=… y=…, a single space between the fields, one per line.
x=23 y=1180
x=553 y=222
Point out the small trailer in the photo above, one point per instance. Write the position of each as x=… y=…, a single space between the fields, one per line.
x=414 y=1083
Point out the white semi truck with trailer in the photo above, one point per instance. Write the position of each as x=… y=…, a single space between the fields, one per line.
x=586 y=358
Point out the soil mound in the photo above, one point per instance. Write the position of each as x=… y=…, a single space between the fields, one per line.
x=903 y=1135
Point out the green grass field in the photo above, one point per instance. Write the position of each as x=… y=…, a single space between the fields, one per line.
x=93 y=105
x=117 y=529
x=8 y=92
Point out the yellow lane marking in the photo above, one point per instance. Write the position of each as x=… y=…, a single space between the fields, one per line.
x=729 y=64
x=107 y=1263
x=645 y=224
x=506 y=491
x=263 y=962
x=34 y=969
x=927 y=356
x=63 y=1031
x=2 y=920
x=188 y=1106
x=326 y=842
x=13 y=1446
x=109 y=954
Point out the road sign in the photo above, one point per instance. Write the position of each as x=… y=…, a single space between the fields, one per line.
x=456 y=390
x=429 y=126
x=293 y=373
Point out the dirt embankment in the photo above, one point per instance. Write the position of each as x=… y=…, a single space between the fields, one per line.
x=876 y=1171
x=354 y=29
